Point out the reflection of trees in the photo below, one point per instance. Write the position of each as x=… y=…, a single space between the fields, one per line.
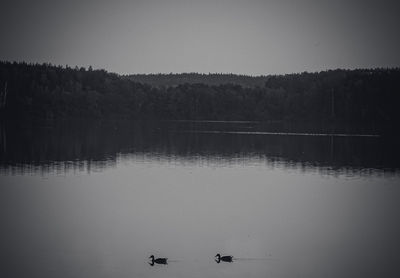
x=91 y=146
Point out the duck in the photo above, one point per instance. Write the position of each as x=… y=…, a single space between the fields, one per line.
x=158 y=260
x=228 y=259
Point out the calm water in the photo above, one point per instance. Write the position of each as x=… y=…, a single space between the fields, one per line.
x=96 y=199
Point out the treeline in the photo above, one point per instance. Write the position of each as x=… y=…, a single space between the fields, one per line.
x=47 y=91
x=212 y=79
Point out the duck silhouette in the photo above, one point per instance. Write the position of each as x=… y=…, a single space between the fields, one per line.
x=228 y=259
x=157 y=261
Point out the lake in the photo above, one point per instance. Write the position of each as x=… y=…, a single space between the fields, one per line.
x=97 y=198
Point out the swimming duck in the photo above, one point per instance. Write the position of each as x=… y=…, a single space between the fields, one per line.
x=228 y=259
x=158 y=260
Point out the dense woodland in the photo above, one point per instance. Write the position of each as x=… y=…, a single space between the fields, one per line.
x=47 y=91
x=175 y=79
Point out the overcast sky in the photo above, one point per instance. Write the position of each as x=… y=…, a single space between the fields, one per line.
x=249 y=37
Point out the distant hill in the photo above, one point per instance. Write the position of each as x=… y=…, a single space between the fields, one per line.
x=175 y=79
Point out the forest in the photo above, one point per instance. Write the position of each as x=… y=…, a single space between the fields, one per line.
x=175 y=79
x=45 y=91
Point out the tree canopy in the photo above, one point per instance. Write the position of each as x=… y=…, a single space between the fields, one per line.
x=47 y=91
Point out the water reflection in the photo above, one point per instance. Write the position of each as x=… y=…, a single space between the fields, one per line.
x=158 y=189
x=72 y=146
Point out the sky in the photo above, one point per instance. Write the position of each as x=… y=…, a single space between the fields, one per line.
x=252 y=37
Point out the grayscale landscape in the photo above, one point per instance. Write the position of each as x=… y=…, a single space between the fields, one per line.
x=193 y=138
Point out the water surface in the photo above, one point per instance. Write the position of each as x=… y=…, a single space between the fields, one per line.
x=96 y=199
